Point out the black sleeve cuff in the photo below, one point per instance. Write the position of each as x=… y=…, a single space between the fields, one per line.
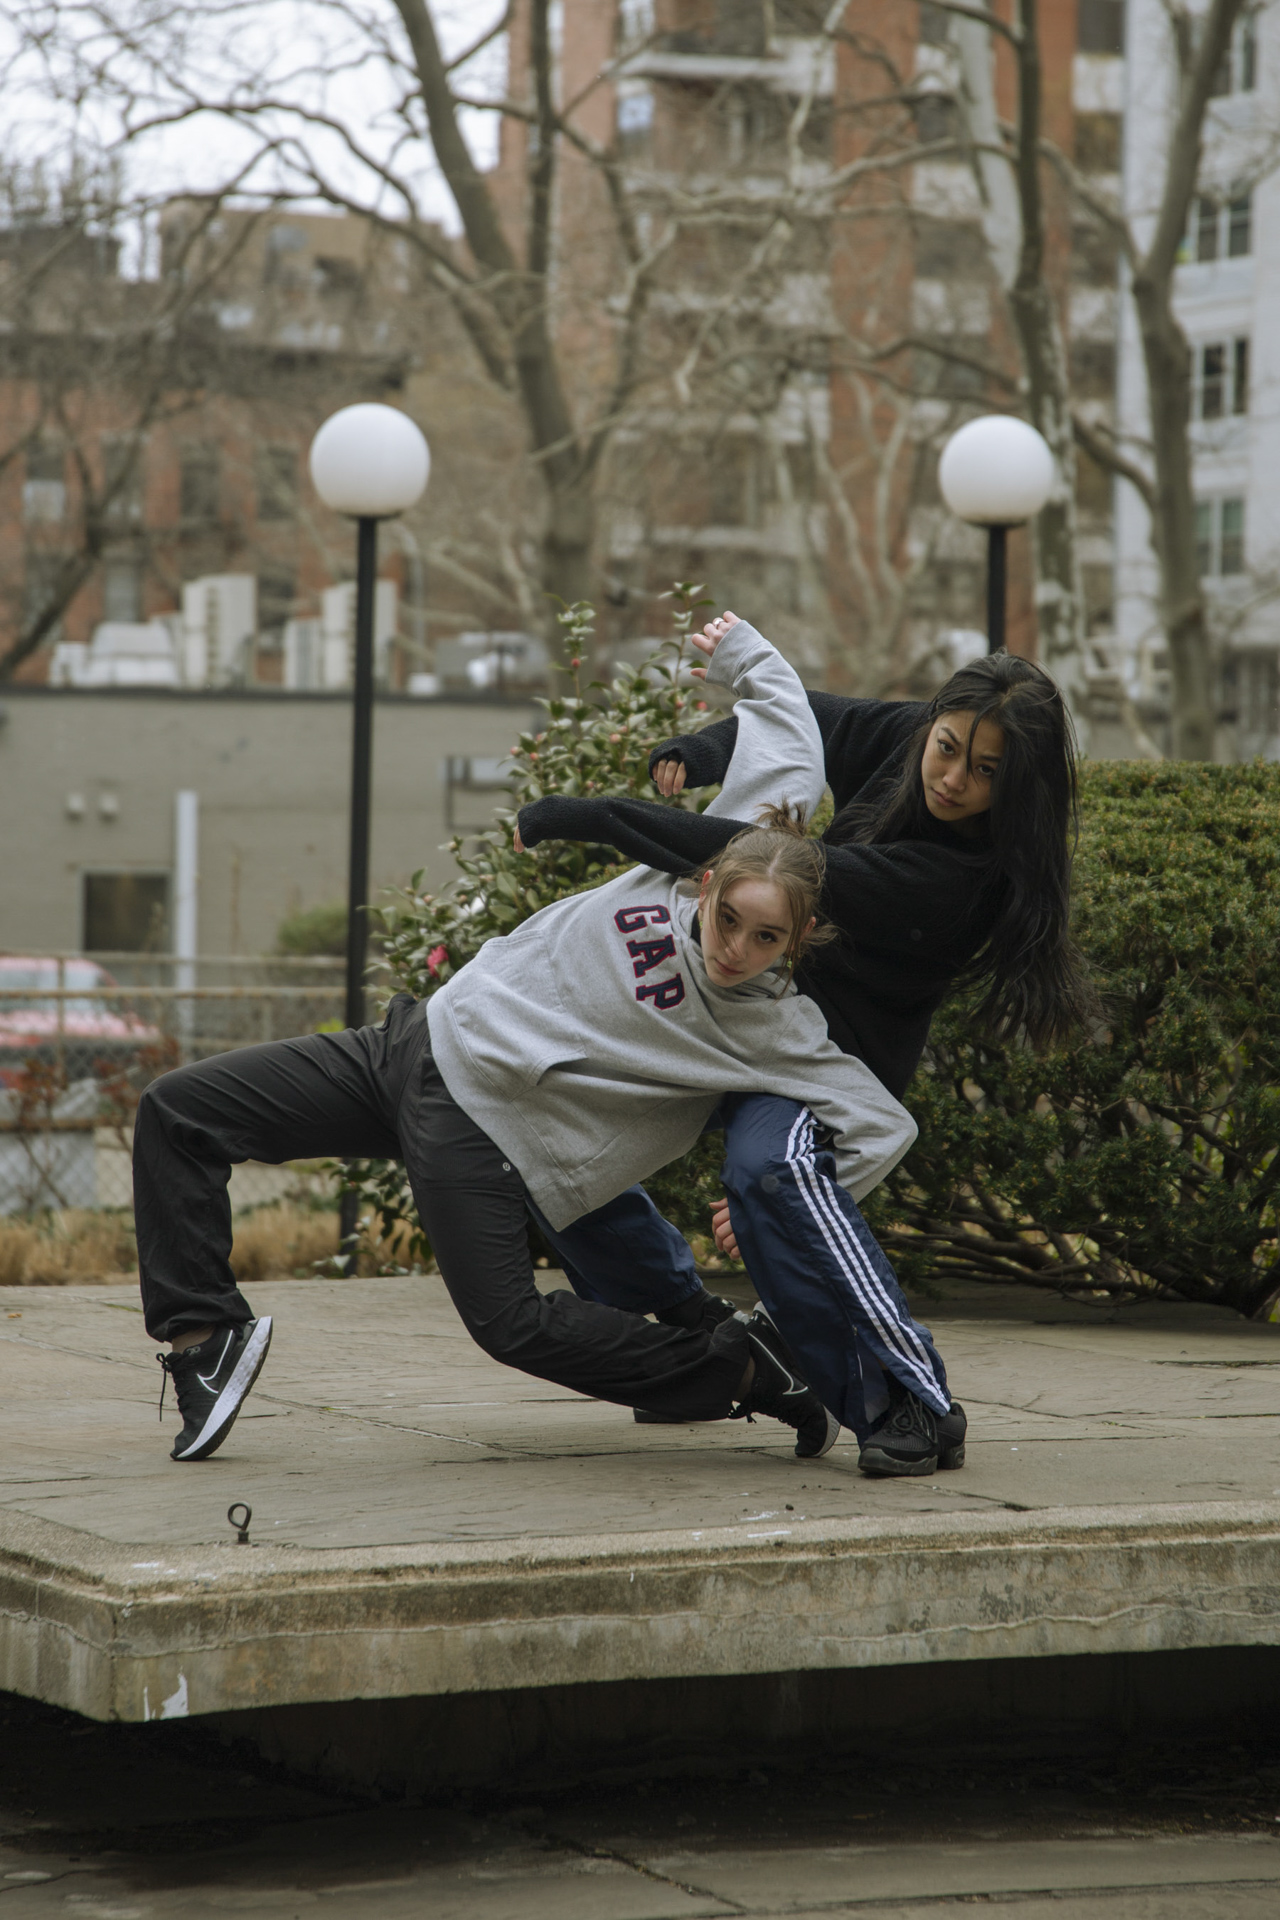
x=706 y=755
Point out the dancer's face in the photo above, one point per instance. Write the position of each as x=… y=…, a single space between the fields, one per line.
x=750 y=932
x=957 y=777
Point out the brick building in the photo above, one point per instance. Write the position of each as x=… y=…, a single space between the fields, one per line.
x=821 y=316
x=158 y=430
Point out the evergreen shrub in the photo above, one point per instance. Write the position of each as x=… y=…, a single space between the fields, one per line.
x=1140 y=1161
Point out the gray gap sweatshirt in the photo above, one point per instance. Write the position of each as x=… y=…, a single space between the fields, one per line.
x=590 y=1044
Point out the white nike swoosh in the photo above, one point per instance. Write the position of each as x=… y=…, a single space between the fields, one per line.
x=208 y=1384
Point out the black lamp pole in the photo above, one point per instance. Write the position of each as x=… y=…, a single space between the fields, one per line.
x=361 y=772
x=997 y=581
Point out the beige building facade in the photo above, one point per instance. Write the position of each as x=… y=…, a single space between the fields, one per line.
x=88 y=786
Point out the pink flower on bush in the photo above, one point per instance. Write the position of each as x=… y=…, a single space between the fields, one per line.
x=436 y=959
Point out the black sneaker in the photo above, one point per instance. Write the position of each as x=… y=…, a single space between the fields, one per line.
x=904 y=1441
x=212 y=1383
x=778 y=1390
x=952 y=1428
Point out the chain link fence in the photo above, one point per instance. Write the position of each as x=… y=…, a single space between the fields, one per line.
x=82 y=1036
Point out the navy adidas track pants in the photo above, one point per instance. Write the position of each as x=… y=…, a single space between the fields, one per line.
x=815 y=1264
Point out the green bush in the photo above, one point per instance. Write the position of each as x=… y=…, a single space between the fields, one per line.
x=1141 y=1162
x=317 y=930
x=1144 y=1160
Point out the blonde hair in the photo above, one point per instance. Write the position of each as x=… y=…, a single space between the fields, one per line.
x=778 y=850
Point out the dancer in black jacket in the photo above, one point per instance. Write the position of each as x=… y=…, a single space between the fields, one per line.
x=948 y=862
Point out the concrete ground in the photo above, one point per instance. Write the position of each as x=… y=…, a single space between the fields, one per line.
x=429 y=1526
x=377 y=1422
x=383 y=1451
x=136 y=1823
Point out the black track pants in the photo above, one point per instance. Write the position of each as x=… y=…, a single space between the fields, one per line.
x=376 y=1092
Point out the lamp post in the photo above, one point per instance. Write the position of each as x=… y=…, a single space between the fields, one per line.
x=996 y=472
x=369 y=462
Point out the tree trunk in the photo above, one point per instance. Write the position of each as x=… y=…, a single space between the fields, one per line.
x=1173 y=523
x=1167 y=357
x=568 y=542
x=1013 y=226
x=1059 y=588
x=519 y=295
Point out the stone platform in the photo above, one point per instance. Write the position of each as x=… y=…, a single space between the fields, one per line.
x=428 y=1523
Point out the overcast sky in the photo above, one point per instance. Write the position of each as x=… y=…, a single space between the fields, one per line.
x=320 y=53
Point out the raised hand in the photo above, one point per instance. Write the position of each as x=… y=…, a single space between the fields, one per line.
x=709 y=639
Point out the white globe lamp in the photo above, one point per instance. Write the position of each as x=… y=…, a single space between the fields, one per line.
x=996 y=472
x=370 y=462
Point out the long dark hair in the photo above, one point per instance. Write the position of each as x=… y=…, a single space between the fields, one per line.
x=1034 y=978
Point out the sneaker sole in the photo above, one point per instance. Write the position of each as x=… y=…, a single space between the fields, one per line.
x=951 y=1459
x=883 y=1466
x=233 y=1396
x=833 y=1434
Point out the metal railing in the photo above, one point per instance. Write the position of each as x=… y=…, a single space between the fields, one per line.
x=75 y=1059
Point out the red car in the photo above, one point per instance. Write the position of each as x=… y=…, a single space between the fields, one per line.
x=91 y=1030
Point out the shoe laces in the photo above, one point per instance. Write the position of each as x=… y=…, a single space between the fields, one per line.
x=170 y=1365
x=909 y=1415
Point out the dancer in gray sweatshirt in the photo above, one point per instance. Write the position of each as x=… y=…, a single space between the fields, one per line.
x=562 y=1064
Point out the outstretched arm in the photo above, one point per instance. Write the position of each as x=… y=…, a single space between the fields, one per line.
x=859 y=737
x=663 y=837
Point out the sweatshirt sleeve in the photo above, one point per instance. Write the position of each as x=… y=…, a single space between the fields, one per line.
x=667 y=838
x=872 y=1130
x=778 y=752
x=859 y=737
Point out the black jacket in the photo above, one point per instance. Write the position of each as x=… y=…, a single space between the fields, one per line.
x=911 y=913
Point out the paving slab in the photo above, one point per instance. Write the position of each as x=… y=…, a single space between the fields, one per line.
x=425 y=1521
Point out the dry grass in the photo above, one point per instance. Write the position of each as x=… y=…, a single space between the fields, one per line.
x=67 y=1249
x=85 y=1249
x=274 y=1242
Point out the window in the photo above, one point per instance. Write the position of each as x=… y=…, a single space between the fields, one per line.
x=1097 y=142
x=1220 y=537
x=122 y=590
x=635 y=23
x=1240 y=226
x=122 y=479
x=1231 y=546
x=277 y=591
x=126 y=912
x=277 y=483
x=1207 y=224
x=1239 y=70
x=1100 y=26
x=1240 y=377
x=41 y=583
x=935 y=117
x=635 y=115
x=935 y=25
x=198 y=483
x=1219 y=229
x=44 y=493
x=334 y=274
x=1213 y=367
x=1221 y=380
